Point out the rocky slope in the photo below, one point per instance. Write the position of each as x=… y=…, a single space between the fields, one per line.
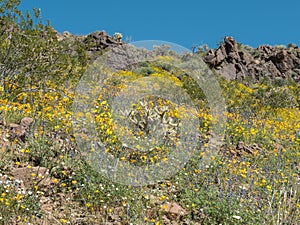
x=235 y=61
x=231 y=59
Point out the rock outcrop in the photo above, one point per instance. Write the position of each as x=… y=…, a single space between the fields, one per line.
x=100 y=40
x=234 y=61
x=231 y=59
x=124 y=56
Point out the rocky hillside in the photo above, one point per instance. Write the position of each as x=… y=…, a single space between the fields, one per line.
x=235 y=61
x=231 y=59
x=47 y=175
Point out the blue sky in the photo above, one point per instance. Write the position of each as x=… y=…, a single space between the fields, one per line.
x=185 y=23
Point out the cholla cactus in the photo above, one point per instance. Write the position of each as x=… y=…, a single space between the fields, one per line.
x=118 y=36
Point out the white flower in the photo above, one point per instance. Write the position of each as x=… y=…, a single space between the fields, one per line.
x=237 y=217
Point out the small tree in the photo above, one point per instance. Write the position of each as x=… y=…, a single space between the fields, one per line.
x=31 y=54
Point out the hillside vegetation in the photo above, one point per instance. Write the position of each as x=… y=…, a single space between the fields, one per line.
x=45 y=177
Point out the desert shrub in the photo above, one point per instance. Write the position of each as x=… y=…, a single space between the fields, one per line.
x=31 y=54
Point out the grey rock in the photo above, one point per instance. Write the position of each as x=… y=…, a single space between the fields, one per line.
x=243 y=62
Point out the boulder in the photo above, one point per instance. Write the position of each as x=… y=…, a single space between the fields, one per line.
x=174 y=210
x=243 y=62
x=100 y=40
x=20 y=130
x=31 y=176
x=26 y=121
